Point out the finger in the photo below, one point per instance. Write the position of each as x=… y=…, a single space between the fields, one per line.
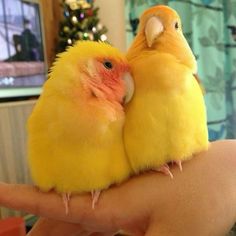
x=48 y=205
x=109 y=214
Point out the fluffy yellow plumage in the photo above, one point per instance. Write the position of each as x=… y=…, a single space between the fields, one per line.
x=166 y=119
x=75 y=130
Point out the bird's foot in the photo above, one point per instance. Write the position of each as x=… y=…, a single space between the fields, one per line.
x=165 y=169
x=179 y=164
x=95 y=196
x=66 y=199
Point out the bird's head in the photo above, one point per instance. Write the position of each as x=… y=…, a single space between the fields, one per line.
x=161 y=30
x=94 y=71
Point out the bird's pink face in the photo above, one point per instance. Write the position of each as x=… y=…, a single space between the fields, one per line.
x=109 y=79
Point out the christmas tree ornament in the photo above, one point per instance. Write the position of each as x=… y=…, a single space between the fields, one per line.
x=66 y=29
x=85 y=36
x=103 y=37
x=68 y=2
x=89 y=12
x=74 y=19
x=78 y=4
x=94 y=29
x=66 y=13
x=72 y=4
x=81 y=16
x=69 y=41
x=83 y=4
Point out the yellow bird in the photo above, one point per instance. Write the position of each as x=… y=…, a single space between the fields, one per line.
x=166 y=118
x=75 y=140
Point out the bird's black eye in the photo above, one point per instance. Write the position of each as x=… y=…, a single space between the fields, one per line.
x=176 y=25
x=108 y=65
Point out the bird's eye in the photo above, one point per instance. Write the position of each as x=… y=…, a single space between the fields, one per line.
x=108 y=65
x=176 y=25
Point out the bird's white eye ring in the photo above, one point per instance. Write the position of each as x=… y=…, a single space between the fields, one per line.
x=108 y=65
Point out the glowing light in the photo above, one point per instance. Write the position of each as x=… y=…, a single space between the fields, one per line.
x=69 y=41
x=74 y=19
x=94 y=29
x=81 y=15
x=103 y=37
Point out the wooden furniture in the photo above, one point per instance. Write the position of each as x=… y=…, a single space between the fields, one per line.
x=51 y=16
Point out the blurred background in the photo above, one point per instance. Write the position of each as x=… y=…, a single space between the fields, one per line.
x=32 y=32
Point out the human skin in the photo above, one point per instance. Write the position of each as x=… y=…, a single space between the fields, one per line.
x=201 y=200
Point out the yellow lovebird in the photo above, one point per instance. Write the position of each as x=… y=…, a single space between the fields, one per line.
x=75 y=142
x=166 y=118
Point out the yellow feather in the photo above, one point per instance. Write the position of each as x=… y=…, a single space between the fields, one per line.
x=75 y=145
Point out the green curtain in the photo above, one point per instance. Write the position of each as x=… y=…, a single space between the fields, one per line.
x=210 y=28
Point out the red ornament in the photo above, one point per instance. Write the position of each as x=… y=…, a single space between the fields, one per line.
x=89 y=12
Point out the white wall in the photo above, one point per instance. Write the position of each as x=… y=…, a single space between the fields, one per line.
x=112 y=15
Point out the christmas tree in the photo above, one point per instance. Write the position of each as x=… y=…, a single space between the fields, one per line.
x=80 y=23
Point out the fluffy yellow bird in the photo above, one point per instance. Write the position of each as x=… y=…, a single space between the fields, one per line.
x=166 y=119
x=75 y=140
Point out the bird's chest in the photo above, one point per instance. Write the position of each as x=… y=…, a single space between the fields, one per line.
x=162 y=112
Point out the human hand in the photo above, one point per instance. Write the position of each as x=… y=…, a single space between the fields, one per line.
x=201 y=200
